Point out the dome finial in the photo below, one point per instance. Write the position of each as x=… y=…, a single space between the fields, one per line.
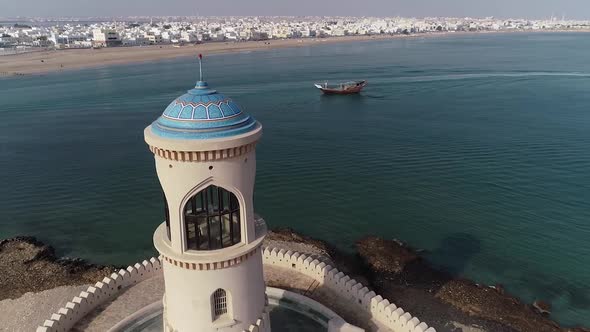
x=200 y=67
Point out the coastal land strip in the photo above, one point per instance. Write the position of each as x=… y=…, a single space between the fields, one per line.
x=38 y=62
x=33 y=279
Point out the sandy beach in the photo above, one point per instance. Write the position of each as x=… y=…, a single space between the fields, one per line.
x=60 y=60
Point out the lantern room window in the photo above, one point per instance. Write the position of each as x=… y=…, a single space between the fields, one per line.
x=167 y=215
x=212 y=219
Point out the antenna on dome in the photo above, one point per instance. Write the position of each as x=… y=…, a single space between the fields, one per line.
x=200 y=67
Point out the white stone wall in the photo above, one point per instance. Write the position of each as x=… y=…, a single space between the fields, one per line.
x=359 y=295
x=110 y=287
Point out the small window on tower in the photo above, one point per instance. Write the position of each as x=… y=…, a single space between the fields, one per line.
x=219 y=304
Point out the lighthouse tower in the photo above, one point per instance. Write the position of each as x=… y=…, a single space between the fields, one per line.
x=204 y=149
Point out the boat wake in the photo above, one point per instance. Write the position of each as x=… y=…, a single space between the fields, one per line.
x=452 y=77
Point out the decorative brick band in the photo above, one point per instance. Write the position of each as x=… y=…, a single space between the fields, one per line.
x=211 y=266
x=198 y=156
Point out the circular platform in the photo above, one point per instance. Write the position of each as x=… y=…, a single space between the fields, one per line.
x=289 y=312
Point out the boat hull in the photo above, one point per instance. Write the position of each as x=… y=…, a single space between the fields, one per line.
x=341 y=92
x=345 y=91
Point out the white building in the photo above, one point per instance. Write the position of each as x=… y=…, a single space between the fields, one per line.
x=106 y=37
x=188 y=37
x=154 y=38
x=204 y=148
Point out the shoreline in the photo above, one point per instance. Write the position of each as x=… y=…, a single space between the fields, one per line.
x=389 y=267
x=51 y=61
x=446 y=302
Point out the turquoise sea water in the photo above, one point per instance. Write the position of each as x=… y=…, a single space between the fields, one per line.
x=475 y=148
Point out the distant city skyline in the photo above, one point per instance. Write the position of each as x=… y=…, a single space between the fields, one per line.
x=534 y=9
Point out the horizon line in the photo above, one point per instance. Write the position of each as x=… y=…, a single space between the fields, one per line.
x=73 y=17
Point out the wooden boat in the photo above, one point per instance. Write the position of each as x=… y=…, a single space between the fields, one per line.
x=346 y=88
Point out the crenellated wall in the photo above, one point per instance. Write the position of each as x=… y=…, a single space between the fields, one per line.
x=359 y=295
x=65 y=318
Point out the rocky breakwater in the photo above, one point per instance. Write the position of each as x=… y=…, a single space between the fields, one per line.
x=391 y=268
x=400 y=274
x=28 y=265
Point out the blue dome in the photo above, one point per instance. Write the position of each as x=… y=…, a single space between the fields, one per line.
x=202 y=113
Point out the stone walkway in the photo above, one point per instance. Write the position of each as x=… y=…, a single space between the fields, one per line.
x=32 y=309
x=132 y=300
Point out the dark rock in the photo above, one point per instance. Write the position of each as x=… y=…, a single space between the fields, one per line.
x=385 y=256
x=289 y=235
x=28 y=265
x=398 y=273
x=580 y=329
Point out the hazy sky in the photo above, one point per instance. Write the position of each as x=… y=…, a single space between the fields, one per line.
x=419 y=8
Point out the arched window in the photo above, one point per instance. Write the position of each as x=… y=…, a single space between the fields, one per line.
x=219 y=303
x=167 y=215
x=212 y=219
